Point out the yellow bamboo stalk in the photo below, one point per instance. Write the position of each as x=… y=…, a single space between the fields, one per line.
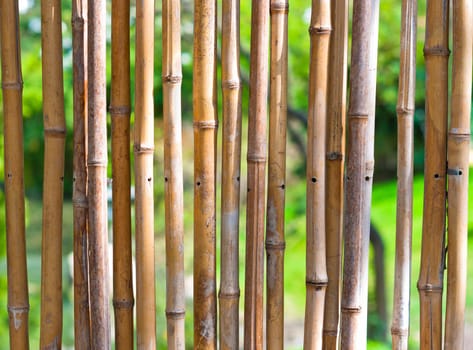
x=229 y=294
x=405 y=171
x=458 y=168
x=173 y=176
x=12 y=87
x=53 y=183
x=430 y=283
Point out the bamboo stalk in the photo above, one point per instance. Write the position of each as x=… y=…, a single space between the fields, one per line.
x=53 y=183
x=12 y=86
x=405 y=117
x=275 y=242
x=430 y=283
x=229 y=294
x=334 y=169
x=120 y=114
x=97 y=176
x=256 y=158
x=173 y=175
x=458 y=168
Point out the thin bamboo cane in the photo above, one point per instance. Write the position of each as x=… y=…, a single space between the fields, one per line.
x=120 y=113
x=229 y=294
x=144 y=149
x=12 y=86
x=458 y=168
x=53 y=183
x=173 y=181
x=430 y=283
x=97 y=176
x=405 y=171
x=334 y=168
x=275 y=243
x=256 y=158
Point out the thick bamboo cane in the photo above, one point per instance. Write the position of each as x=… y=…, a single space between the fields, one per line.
x=458 y=168
x=430 y=283
x=173 y=176
x=405 y=171
x=229 y=294
x=334 y=168
x=120 y=114
x=53 y=183
x=97 y=176
x=12 y=86
x=275 y=242
x=144 y=149
x=256 y=158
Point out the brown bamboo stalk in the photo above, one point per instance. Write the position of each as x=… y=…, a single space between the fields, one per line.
x=405 y=171
x=275 y=242
x=430 y=283
x=53 y=183
x=97 y=176
x=12 y=87
x=144 y=149
x=120 y=113
x=256 y=158
x=458 y=168
x=229 y=294
x=173 y=176
x=334 y=169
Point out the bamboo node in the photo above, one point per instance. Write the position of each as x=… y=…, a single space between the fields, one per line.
x=234 y=295
x=459 y=134
x=404 y=111
x=436 y=51
x=206 y=124
x=172 y=79
x=255 y=158
x=143 y=149
x=123 y=304
x=176 y=314
x=275 y=246
x=318 y=284
x=18 y=309
x=399 y=331
x=97 y=163
x=351 y=309
x=334 y=156
x=55 y=132
x=78 y=23
x=231 y=84
x=319 y=30
x=281 y=7
x=119 y=111
x=429 y=288
x=12 y=85
x=330 y=332
x=357 y=115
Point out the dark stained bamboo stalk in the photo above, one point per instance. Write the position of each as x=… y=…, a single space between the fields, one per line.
x=256 y=158
x=405 y=172
x=97 y=176
x=53 y=183
x=12 y=87
x=458 y=168
x=229 y=294
x=120 y=114
x=173 y=175
x=275 y=241
x=144 y=203
x=430 y=283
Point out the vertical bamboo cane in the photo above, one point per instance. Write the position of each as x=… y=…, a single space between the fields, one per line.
x=12 y=86
x=256 y=158
x=229 y=294
x=97 y=176
x=458 y=167
x=334 y=168
x=430 y=283
x=275 y=244
x=53 y=183
x=120 y=114
x=405 y=117
x=144 y=149
x=173 y=181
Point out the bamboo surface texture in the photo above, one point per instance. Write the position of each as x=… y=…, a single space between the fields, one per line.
x=229 y=294
x=173 y=176
x=458 y=168
x=12 y=87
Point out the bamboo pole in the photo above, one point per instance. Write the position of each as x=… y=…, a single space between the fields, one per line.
x=53 y=183
x=97 y=176
x=458 y=168
x=405 y=118
x=229 y=294
x=120 y=114
x=334 y=169
x=144 y=204
x=430 y=283
x=275 y=242
x=256 y=158
x=12 y=86
x=173 y=180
